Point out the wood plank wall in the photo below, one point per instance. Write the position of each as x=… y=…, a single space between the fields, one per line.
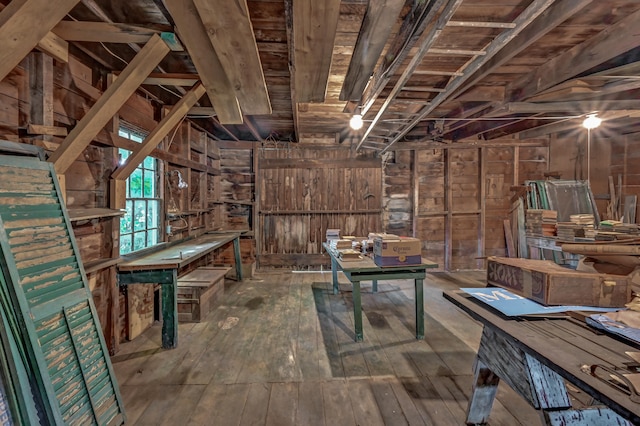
x=304 y=191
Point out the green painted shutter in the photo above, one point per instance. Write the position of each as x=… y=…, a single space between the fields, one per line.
x=44 y=275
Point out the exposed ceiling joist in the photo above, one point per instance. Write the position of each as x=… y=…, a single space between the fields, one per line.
x=228 y=26
x=193 y=34
x=555 y=14
x=18 y=33
x=412 y=28
x=314 y=31
x=617 y=39
x=449 y=9
x=172 y=79
x=54 y=46
x=153 y=139
x=375 y=30
x=522 y=21
x=103 y=32
x=107 y=106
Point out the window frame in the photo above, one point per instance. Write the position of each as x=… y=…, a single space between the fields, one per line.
x=153 y=202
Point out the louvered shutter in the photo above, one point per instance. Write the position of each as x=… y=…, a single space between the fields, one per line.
x=49 y=288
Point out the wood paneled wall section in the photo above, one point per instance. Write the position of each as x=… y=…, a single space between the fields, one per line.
x=305 y=191
x=461 y=198
x=625 y=157
x=569 y=158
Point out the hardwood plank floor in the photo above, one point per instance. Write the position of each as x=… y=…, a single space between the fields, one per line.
x=279 y=349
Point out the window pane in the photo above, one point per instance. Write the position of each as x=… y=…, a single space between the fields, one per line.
x=149 y=184
x=153 y=213
x=136 y=138
x=140 y=215
x=139 y=240
x=125 y=243
x=122 y=132
x=125 y=221
x=149 y=163
x=152 y=237
x=135 y=184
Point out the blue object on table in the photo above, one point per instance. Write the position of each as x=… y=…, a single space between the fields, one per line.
x=512 y=304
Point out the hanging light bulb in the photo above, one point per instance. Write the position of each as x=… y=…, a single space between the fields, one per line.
x=356 y=122
x=592 y=121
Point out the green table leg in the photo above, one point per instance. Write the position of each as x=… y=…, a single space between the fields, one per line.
x=357 y=311
x=374 y=286
x=170 y=313
x=419 y=309
x=334 y=274
x=236 y=251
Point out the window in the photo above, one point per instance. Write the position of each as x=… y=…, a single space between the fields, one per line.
x=140 y=225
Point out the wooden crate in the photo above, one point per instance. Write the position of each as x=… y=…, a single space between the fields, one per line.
x=198 y=292
x=546 y=282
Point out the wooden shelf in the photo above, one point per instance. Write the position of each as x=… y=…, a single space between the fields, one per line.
x=94 y=213
x=242 y=202
x=179 y=214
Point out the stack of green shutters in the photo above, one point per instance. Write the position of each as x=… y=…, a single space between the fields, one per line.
x=46 y=295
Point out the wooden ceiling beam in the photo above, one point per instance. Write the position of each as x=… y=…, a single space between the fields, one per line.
x=228 y=26
x=108 y=104
x=436 y=29
x=412 y=28
x=172 y=79
x=288 y=16
x=535 y=9
x=576 y=107
x=103 y=32
x=314 y=30
x=615 y=40
x=555 y=14
x=153 y=139
x=212 y=74
x=25 y=23
x=377 y=24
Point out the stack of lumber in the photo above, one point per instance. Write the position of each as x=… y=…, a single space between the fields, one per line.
x=541 y=223
x=620 y=253
x=581 y=226
x=340 y=244
x=349 y=255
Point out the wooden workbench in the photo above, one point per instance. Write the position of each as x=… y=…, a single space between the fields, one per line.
x=536 y=356
x=162 y=267
x=366 y=270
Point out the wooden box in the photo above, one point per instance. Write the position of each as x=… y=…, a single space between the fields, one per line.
x=199 y=291
x=546 y=282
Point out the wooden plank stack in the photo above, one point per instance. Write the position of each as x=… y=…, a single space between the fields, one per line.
x=580 y=227
x=541 y=223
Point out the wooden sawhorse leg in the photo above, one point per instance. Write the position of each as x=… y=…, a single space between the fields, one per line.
x=498 y=358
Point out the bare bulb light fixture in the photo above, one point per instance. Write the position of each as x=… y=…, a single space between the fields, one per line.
x=592 y=121
x=356 y=122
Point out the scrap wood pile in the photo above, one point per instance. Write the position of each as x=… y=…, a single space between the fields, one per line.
x=617 y=256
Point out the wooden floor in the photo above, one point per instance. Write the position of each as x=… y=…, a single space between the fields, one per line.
x=280 y=350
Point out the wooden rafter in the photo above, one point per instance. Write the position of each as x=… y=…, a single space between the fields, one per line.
x=168 y=122
x=617 y=39
x=229 y=28
x=103 y=32
x=376 y=27
x=412 y=28
x=109 y=103
x=556 y=14
x=522 y=21
x=172 y=79
x=18 y=31
x=314 y=30
x=213 y=77
x=449 y=9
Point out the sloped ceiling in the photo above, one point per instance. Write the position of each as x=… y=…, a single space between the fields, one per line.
x=434 y=70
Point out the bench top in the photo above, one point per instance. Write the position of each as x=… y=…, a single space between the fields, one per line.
x=203 y=277
x=178 y=255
